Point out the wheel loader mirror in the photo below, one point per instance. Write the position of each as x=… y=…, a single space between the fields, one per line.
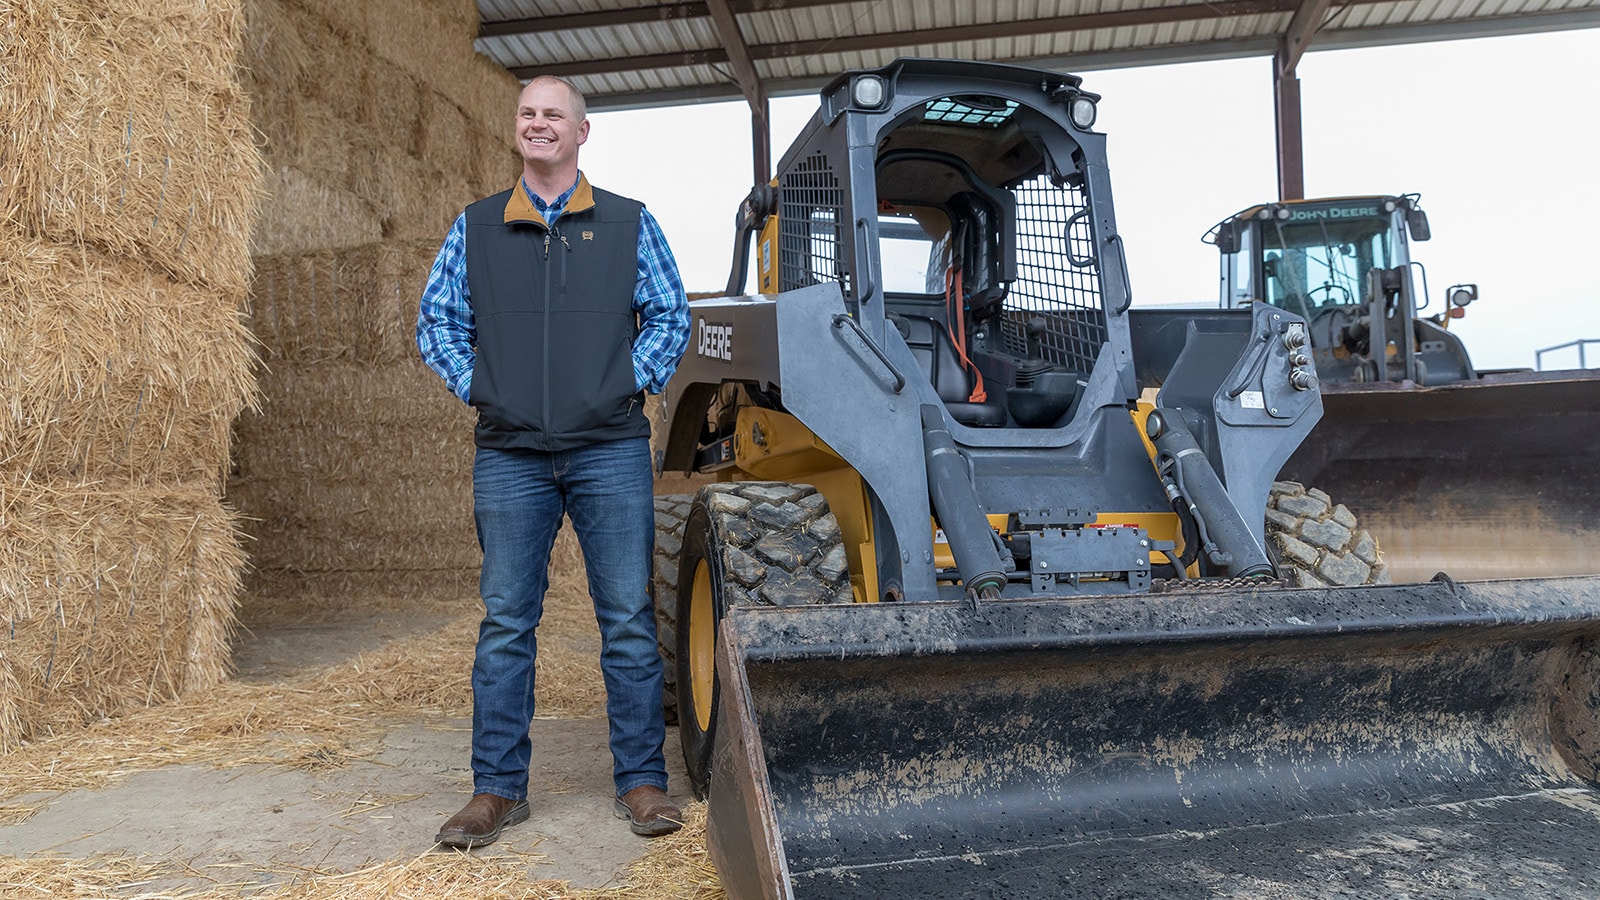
x=1227 y=238
x=1462 y=294
x=1417 y=224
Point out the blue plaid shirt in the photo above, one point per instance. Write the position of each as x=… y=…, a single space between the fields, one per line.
x=447 y=335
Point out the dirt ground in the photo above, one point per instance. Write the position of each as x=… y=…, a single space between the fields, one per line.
x=256 y=827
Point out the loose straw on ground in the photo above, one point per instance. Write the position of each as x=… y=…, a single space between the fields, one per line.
x=673 y=868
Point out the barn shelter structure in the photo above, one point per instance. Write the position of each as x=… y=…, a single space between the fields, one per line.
x=643 y=53
x=216 y=217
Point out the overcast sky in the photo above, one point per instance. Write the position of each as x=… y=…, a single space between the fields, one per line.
x=1497 y=135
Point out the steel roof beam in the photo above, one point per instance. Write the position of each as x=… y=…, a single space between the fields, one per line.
x=738 y=52
x=638 y=15
x=1290 y=143
x=1200 y=51
x=1307 y=21
x=887 y=40
x=749 y=81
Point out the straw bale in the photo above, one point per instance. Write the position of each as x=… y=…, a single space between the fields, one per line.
x=405 y=392
x=344 y=406
x=426 y=38
x=337 y=70
x=357 y=303
x=325 y=144
x=305 y=214
x=485 y=91
x=110 y=599
x=347 y=17
x=277 y=121
x=463 y=13
x=495 y=164
x=368 y=544
x=394 y=105
x=355 y=450
x=112 y=372
x=346 y=704
x=126 y=128
x=446 y=139
x=418 y=199
x=295 y=588
x=273 y=53
x=354 y=467
x=436 y=48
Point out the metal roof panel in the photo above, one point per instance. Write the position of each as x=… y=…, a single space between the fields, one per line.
x=621 y=52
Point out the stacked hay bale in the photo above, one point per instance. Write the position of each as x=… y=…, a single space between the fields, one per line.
x=380 y=124
x=128 y=181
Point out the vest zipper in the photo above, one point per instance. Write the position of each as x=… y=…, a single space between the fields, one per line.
x=563 y=257
x=549 y=414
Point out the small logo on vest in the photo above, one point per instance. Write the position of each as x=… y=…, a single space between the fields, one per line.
x=588 y=235
x=715 y=340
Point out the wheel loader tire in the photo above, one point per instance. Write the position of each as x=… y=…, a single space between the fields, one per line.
x=745 y=544
x=672 y=513
x=1319 y=543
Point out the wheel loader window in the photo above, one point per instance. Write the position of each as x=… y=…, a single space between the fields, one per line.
x=1316 y=264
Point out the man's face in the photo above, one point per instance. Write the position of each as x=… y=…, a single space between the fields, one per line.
x=549 y=131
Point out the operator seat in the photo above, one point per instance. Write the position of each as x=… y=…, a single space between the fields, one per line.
x=936 y=355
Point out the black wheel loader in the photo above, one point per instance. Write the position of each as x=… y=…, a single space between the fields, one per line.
x=995 y=594
x=1483 y=474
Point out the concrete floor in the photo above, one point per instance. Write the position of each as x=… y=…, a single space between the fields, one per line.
x=260 y=825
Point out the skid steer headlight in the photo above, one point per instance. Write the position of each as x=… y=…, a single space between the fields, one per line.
x=869 y=92
x=1083 y=111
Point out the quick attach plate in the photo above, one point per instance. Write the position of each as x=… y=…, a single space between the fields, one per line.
x=1111 y=559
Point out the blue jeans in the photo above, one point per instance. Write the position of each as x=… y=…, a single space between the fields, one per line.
x=518 y=499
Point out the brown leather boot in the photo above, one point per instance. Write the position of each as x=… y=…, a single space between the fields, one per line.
x=480 y=821
x=649 y=811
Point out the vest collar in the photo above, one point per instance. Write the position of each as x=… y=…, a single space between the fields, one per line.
x=521 y=209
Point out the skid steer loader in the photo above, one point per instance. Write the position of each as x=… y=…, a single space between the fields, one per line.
x=992 y=599
x=1483 y=474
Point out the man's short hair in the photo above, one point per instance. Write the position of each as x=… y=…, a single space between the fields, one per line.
x=582 y=104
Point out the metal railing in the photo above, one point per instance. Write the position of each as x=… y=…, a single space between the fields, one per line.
x=1583 y=356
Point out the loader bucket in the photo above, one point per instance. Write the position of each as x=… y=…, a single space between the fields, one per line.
x=1493 y=478
x=1432 y=739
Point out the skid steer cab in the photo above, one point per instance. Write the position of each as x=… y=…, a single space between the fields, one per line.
x=958 y=484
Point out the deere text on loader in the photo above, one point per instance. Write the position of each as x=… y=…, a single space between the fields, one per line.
x=983 y=603
x=1483 y=474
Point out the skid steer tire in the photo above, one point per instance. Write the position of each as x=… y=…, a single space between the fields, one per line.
x=745 y=544
x=672 y=513
x=1319 y=543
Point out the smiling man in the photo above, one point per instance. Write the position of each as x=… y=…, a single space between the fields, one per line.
x=552 y=309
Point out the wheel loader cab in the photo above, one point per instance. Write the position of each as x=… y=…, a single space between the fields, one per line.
x=1345 y=265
